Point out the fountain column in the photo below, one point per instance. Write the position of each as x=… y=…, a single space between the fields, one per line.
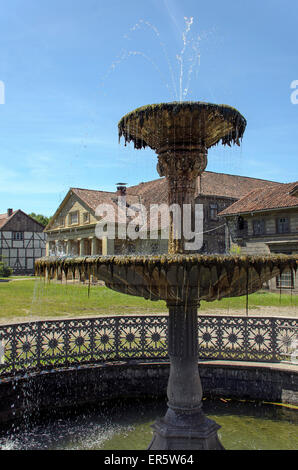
x=183 y=352
x=181 y=165
x=185 y=426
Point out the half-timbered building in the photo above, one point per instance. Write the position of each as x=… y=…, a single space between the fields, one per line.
x=22 y=241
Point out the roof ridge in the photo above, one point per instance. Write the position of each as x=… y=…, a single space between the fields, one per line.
x=162 y=178
x=93 y=190
x=240 y=176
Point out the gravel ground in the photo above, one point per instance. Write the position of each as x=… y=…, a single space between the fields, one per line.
x=254 y=312
x=257 y=312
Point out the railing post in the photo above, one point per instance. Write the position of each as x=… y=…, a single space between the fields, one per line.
x=219 y=337
x=38 y=344
x=274 y=343
x=66 y=340
x=245 y=323
x=92 y=339
x=143 y=338
x=14 y=348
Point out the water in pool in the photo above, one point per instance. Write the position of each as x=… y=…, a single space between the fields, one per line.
x=126 y=425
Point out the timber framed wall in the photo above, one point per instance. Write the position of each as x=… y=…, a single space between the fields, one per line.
x=20 y=254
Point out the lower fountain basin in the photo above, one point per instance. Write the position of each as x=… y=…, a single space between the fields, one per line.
x=126 y=425
x=174 y=278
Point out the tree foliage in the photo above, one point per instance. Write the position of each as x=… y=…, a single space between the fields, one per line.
x=5 y=271
x=42 y=219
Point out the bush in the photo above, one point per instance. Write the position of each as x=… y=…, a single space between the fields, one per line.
x=5 y=271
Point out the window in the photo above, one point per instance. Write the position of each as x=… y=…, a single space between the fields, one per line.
x=73 y=218
x=285 y=281
x=154 y=248
x=86 y=218
x=258 y=227
x=213 y=211
x=242 y=224
x=283 y=225
x=18 y=235
x=61 y=221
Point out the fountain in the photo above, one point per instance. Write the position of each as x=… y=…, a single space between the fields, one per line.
x=181 y=134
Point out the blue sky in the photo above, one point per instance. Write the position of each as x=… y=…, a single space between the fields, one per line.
x=73 y=68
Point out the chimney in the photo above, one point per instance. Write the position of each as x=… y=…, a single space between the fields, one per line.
x=121 y=189
x=9 y=212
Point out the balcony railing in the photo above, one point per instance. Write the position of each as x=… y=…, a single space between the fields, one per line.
x=43 y=345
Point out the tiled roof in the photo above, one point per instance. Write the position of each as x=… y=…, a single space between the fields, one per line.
x=152 y=192
x=156 y=191
x=294 y=191
x=93 y=198
x=272 y=197
x=5 y=218
x=209 y=184
x=232 y=186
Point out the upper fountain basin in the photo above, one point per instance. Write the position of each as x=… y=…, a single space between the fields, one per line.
x=189 y=123
x=174 y=278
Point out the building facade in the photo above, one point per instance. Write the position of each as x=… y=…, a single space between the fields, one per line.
x=72 y=229
x=216 y=192
x=266 y=221
x=22 y=241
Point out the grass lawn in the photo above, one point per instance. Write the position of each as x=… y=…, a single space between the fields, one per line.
x=22 y=299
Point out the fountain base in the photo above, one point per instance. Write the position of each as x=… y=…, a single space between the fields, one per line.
x=185 y=431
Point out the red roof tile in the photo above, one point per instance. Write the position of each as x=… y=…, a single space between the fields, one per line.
x=5 y=218
x=156 y=191
x=272 y=197
x=232 y=186
x=209 y=184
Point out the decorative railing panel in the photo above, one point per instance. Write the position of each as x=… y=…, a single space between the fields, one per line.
x=62 y=343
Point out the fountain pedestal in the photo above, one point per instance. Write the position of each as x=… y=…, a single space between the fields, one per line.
x=181 y=164
x=185 y=426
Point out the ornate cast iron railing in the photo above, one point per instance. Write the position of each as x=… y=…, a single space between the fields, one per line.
x=55 y=344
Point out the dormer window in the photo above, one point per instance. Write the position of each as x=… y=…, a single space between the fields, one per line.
x=213 y=211
x=74 y=218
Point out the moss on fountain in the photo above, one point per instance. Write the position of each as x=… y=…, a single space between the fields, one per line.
x=195 y=115
x=282 y=261
x=173 y=277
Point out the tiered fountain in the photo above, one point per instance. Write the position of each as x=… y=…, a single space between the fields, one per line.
x=181 y=134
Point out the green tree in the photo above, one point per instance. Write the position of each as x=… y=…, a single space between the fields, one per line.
x=42 y=219
x=5 y=271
